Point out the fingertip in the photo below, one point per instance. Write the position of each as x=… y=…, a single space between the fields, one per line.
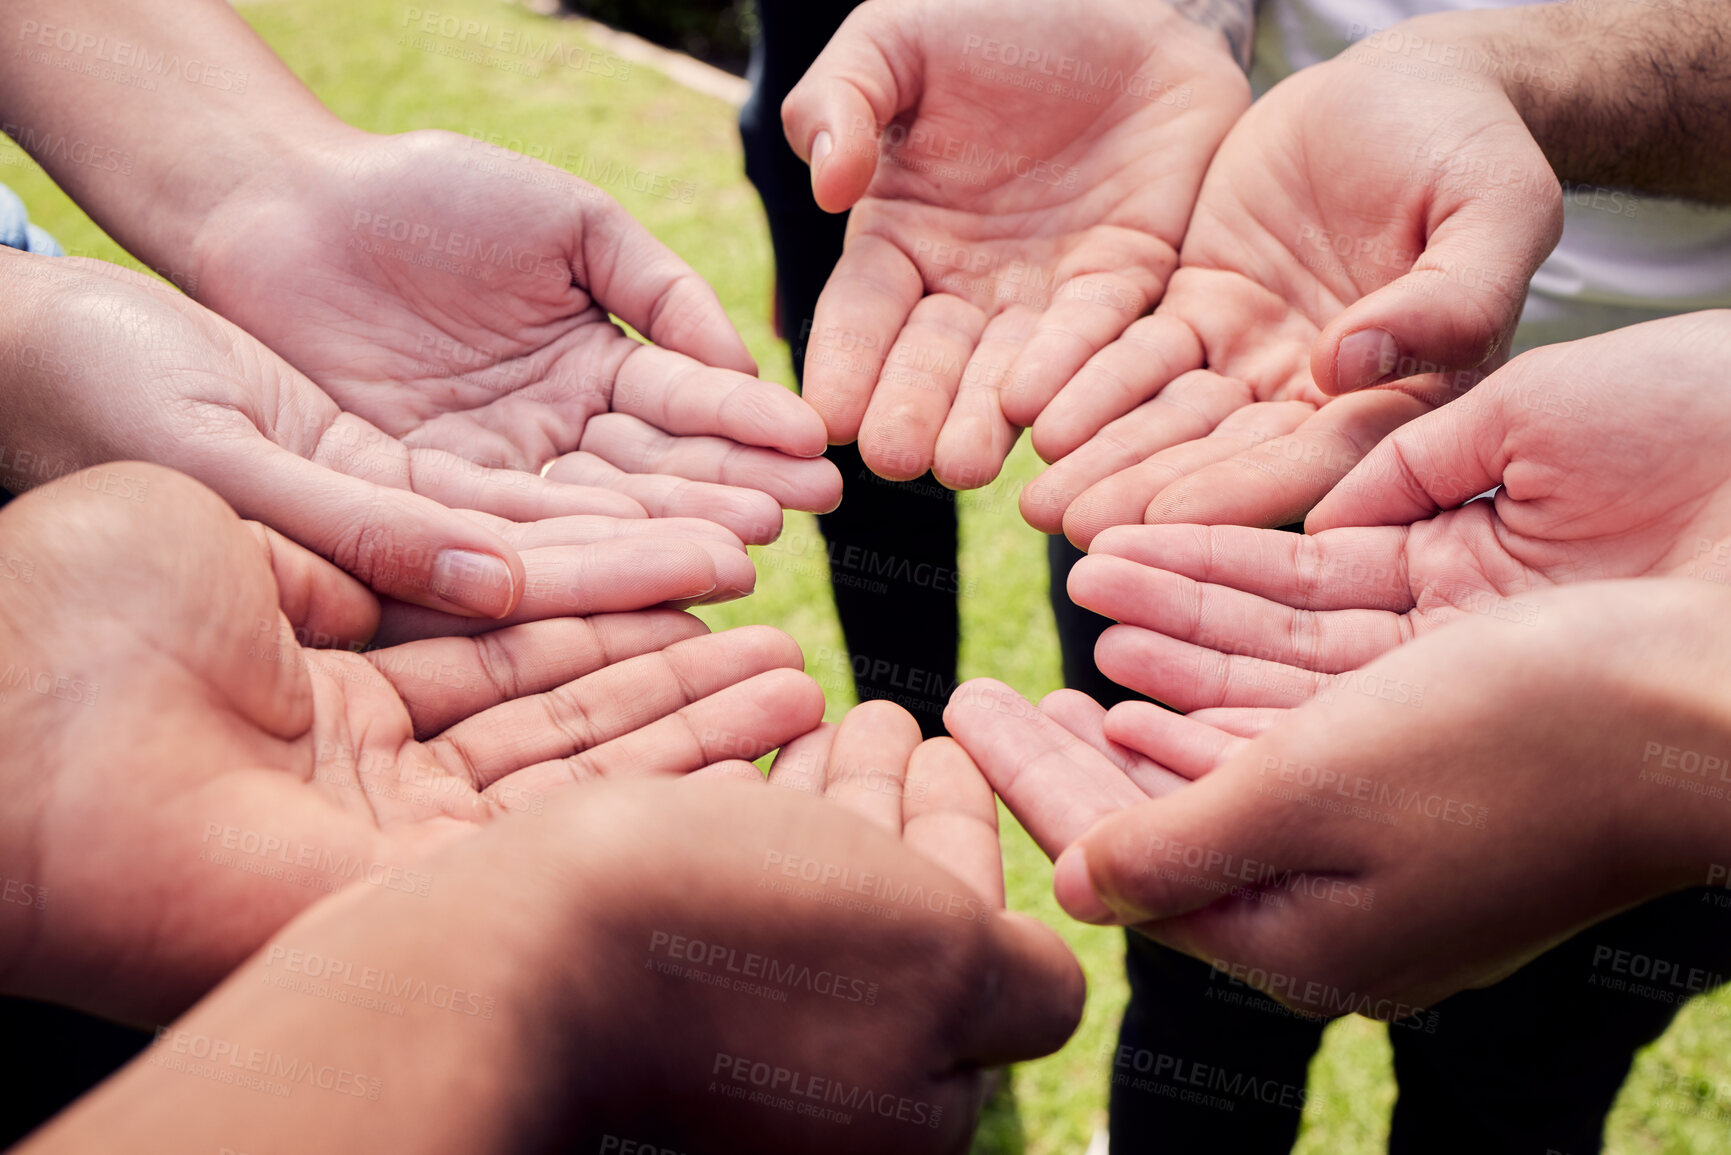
x=1360 y=360
x=1073 y=887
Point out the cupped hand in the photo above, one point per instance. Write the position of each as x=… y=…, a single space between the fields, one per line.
x=1608 y=452
x=204 y=777
x=457 y=296
x=692 y=966
x=1019 y=177
x=1438 y=817
x=106 y=364
x=1365 y=222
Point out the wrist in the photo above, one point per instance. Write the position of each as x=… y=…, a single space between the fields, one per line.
x=1668 y=671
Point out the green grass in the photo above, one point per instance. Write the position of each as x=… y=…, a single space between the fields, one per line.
x=1678 y=1100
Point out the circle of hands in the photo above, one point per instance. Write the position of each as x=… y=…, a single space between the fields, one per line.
x=488 y=504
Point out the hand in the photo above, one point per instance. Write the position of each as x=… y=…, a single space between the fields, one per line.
x=1358 y=226
x=699 y=967
x=456 y=295
x=103 y=364
x=194 y=777
x=1609 y=454
x=1019 y=177
x=1451 y=810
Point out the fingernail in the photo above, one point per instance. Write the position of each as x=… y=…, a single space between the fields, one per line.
x=1364 y=359
x=1074 y=889
x=477 y=582
x=820 y=150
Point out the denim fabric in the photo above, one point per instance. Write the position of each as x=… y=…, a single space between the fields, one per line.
x=16 y=231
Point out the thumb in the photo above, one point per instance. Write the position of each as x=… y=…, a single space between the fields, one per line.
x=1456 y=309
x=869 y=73
x=399 y=543
x=1442 y=460
x=1218 y=838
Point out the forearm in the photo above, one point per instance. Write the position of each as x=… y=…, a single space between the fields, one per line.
x=150 y=113
x=1624 y=93
x=359 y=1029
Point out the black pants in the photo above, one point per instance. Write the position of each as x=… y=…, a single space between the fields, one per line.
x=892 y=545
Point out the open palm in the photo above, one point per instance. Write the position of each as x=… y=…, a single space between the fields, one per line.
x=1013 y=208
x=215 y=778
x=458 y=295
x=1608 y=454
x=1346 y=235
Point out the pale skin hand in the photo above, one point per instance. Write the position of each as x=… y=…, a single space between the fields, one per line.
x=193 y=777
x=100 y=363
x=450 y=293
x=1521 y=783
x=564 y=918
x=1001 y=233
x=1609 y=454
x=1351 y=200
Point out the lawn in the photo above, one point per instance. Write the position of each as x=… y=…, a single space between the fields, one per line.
x=364 y=61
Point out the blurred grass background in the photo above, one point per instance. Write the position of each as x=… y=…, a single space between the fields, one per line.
x=362 y=58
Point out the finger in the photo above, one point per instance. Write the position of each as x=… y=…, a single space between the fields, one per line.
x=833 y=114
x=1458 y=306
x=1192 y=407
x=677 y=395
x=1278 y=481
x=1190 y=677
x=1086 y=718
x=325 y=607
x=1115 y=872
x=917 y=385
x=749 y=513
x=1435 y=462
x=635 y=446
x=1051 y=780
x=732 y=770
x=1341 y=569
x=864 y=304
x=445 y=680
x=1087 y=312
x=744 y=721
x=950 y=816
x=640 y=280
x=868 y=762
x=1191 y=748
x=1151 y=354
x=1218 y=617
x=615 y=576
x=1243 y=722
x=803 y=764
x=397 y=543
x=510 y=493
x=1035 y=1003
x=1125 y=498
x=612 y=701
x=976 y=436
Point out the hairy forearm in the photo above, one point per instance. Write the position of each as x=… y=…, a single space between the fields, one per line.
x=150 y=113
x=1622 y=93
